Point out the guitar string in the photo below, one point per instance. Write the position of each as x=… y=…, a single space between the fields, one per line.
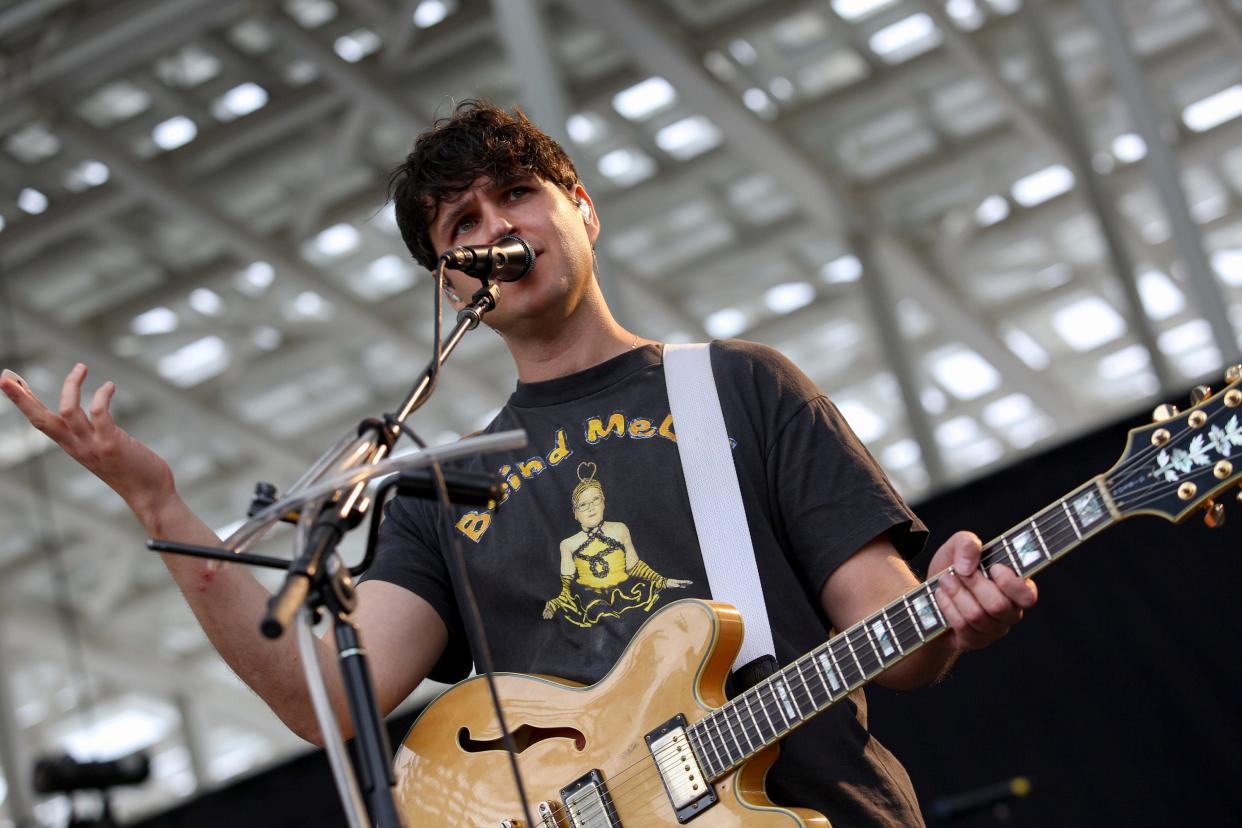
x=1149 y=451
x=994 y=553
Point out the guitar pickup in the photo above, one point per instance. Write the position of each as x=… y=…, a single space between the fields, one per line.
x=588 y=804
x=688 y=791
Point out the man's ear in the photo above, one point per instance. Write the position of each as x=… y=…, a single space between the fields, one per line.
x=587 y=208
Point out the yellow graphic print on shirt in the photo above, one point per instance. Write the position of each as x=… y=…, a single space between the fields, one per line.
x=601 y=573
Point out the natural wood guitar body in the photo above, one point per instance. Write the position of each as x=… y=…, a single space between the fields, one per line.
x=452 y=769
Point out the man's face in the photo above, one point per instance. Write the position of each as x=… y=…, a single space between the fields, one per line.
x=549 y=220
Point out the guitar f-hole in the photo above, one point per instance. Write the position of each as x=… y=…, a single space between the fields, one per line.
x=524 y=737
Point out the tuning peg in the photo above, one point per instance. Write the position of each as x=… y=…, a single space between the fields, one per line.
x=1199 y=393
x=1233 y=373
x=1214 y=514
x=1165 y=411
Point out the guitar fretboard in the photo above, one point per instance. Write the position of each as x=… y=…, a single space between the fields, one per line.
x=765 y=713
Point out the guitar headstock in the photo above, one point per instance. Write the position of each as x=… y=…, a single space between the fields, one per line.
x=1185 y=460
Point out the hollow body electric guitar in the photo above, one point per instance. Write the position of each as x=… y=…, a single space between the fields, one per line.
x=657 y=743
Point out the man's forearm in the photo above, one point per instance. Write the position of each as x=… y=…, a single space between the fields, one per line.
x=229 y=603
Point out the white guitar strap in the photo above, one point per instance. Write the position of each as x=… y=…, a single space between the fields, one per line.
x=715 y=497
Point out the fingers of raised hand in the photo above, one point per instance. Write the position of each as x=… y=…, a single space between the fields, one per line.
x=101 y=416
x=71 y=397
x=32 y=408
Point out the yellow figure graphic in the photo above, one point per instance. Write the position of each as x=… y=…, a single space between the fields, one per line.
x=601 y=574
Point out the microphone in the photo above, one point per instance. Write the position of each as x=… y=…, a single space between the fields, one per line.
x=508 y=260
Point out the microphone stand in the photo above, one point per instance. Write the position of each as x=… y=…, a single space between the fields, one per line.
x=318 y=580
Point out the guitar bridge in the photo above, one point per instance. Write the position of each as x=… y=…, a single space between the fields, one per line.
x=688 y=791
x=588 y=804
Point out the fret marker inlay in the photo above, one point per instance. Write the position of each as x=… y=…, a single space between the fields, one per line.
x=881 y=637
x=790 y=711
x=1026 y=546
x=927 y=615
x=833 y=682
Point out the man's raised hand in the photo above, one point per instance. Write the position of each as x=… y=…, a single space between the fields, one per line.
x=130 y=468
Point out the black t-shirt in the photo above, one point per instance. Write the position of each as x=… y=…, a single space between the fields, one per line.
x=562 y=591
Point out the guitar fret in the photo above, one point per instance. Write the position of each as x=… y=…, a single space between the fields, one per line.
x=914 y=619
x=701 y=752
x=808 y=687
x=758 y=723
x=885 y=638
x=927 y=610
x=776 y=705
x=827 y=676
x=725 y=713
x=764 y=707
x=1039 y=537
x=1070 y=518
x=849 y=667
x=1013 y=559
x=868 y=659
x=712 y=740
x=787 y=698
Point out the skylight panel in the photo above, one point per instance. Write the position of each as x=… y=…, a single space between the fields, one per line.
x=1214 y=110
x=965 y=14
x=1161 y=298
x=688 y=137
x=384 y=277
x=1005 y=6
x=1185 y=337
x=991 y=210
x=1008 y=410
x=627 y=166
x=1042 y=185
x=32 y=201
x=842 y=269
x=788 y=297
x=337 y=240
x=119 y=732
x=799 y=30
x=309 y=305
x=1026 y=348
x=958 y=432
x=726 y=322
x=188 y=67
x=964 y=373
x=584 y=128
x=867 y=424
x=311 y=14
x=933 y=400
x=238 y=101
x=1228 y=264
x=758 y=101
x=430 y=12
x=743 y=51
x=255 y=279
x=907 y=38
x=117 y=101
x=267 y=337
x=840 y=67
x=252 y=36
x=901 y=454
x=194 y=363
x=175 y=132
x=159 y=320
x=206 y=301
x=1088 y=323
x=32 y=143
x=1129 y=147
x=858 y=9
x=356 y=45
x=1127 y=362
x=86 y=174
x=642 y=100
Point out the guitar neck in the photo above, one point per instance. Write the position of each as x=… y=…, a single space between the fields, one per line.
x=772 y=708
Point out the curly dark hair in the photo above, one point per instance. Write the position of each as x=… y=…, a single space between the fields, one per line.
x=479 y=140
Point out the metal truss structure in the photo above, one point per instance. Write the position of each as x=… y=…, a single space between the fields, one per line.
x=981 y=226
